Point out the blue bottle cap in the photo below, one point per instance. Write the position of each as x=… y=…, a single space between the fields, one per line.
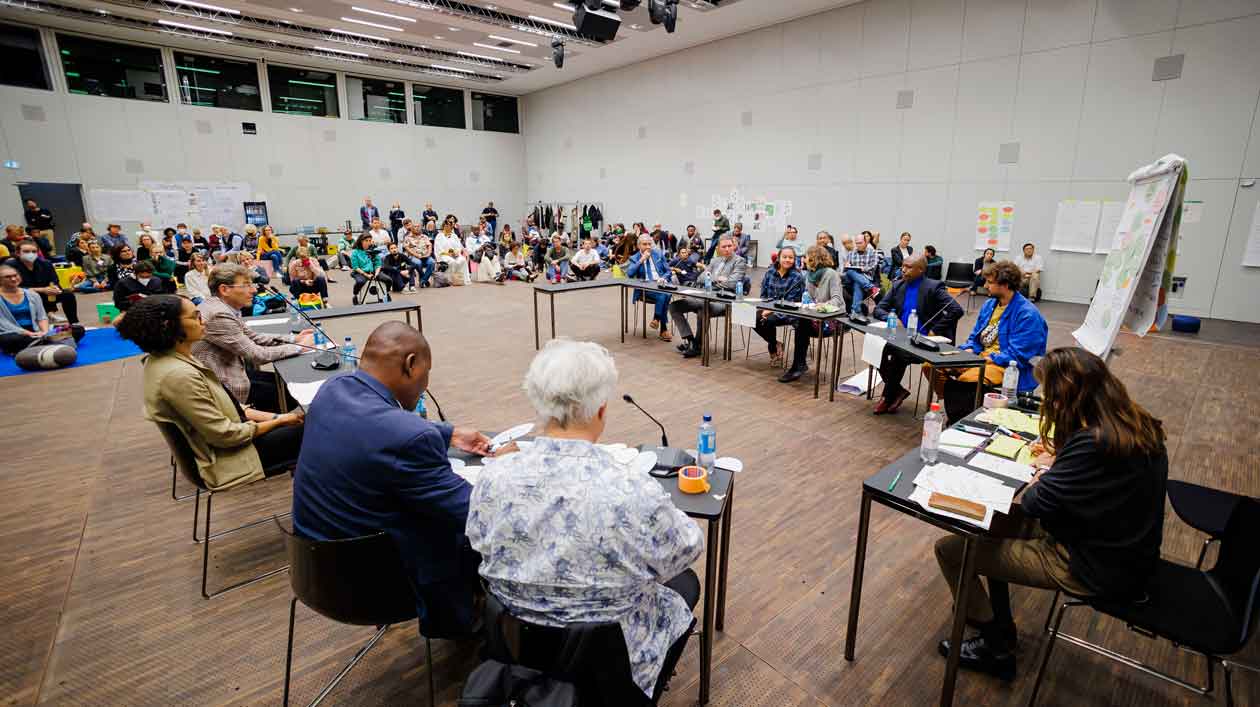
x=708 y=418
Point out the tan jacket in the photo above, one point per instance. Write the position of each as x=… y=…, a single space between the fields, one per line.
x=181 y=390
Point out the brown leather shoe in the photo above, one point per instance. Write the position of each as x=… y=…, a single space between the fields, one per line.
x=897 y=401
x=665 y=336
x=881 y=407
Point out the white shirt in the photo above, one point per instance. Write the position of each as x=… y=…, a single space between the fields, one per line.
x=1029 y=265
x=445 y=243
x=381 y=237
x=585 y=258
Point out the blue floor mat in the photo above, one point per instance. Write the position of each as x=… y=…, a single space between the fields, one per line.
x=97 y=346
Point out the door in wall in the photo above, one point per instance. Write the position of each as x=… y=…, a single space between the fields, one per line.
x=1237 y=284
x=65 y=201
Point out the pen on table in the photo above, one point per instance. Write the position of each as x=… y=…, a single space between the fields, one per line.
x=896 y=479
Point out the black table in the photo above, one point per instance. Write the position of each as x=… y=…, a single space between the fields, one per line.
x=937 y=359
x=552 y=289
x=819 y=318
x=876 y=488
x=398 y=305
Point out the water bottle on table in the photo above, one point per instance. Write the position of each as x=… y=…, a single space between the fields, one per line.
x=708 y=281
x=912 y=322
x=1010 y=382
x=892 y=325
x=931 y=443
x=349 y=357
x=295 y=321
x=739 y=289
x=320 y=339
x=706 y=447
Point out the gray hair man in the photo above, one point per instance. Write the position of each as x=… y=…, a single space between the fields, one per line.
x=726 y=270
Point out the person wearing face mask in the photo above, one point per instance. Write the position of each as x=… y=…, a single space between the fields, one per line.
x=39 y=276
x=305 y=275
x=397 y=479
x=130 y=290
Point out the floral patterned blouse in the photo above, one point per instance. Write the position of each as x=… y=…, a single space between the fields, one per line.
x=568 y=534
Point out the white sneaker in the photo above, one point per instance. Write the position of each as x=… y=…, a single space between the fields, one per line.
x=411 y=288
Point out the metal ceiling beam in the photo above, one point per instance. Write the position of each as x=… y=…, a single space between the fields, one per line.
x=476 y=13
x=96 y=16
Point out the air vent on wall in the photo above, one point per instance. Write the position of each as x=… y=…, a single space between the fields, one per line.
x=33 y=113
x=276 y=169
x=385 y=173
x=135 y=167
x=203 y=127
x=330 y=136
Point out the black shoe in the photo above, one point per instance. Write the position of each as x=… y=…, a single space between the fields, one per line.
x=693 y=351
x=977 y=655
x=793 y=374
x=686 y=344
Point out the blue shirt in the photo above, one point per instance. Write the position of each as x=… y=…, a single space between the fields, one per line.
x=911 y=302
x=788 y=288
x=21 y=313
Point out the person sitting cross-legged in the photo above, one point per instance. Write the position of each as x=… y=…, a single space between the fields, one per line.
x=726 y=270
x=585 y=262
x=649 y=265
x=861 y=273
x=929 y=300
x=306 y=276
x=23 y=321
x=569 y=535
x=140 y=284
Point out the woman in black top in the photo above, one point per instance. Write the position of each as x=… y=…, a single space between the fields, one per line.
x=1090 y=522
x=978 y=268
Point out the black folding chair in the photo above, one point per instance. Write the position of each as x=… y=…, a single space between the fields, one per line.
x=357 y=581
x=1209 y=613
x=1204 y=509
x=186 y=464
x=959 y=276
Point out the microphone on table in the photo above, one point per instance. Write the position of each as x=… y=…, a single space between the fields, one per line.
x=668 y=459
x=926 y=344
x=328 y=359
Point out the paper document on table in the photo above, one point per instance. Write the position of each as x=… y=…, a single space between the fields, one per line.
x=857 y=384
x=1013 y=420
x=265 y=322
x=878 y=325
x=1004 y=446
x=967 y=484
x=958 y=443
x=691 y=292
x=1011 y=470
x=744 y=314
x=873 y=349
x=304 y=393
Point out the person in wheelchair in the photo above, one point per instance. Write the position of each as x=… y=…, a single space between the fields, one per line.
x=365 y=264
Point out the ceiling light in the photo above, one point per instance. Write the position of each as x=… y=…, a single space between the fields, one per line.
x=297 y=10
x=451 y=68
x=339 y=51
x=204 y=6
x=497 y=49
x=378 y=13
x=453 y=29
x=636 y=26
x=438 y=36
x=564 y=6
x=480 y=56
x=181 y=25
x=492 y=7
x=556 y=23
x=372 y=24
x=513 y=41
x=359 y=34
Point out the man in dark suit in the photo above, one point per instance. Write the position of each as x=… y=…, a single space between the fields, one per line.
x=369 y=463
x=929 y=298
x=367 y=213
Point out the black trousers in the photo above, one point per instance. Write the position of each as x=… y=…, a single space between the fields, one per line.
x=768 y=328
x=805 y=330
x=278 y=449
x=687 y=585
x=892 y=368
x=263 y=394
x=590 y=272
x=13 y=343
x=960 y=399
x=320 y=288
x=68 y=303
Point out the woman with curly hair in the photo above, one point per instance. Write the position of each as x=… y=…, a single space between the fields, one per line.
x=233 y=445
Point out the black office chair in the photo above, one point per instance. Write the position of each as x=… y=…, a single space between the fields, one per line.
x=1211 y=613
x=959 y=279
x=1204 y=509
x=590 y=656
x=175 y=481
x=357 y=581
x=186 y=463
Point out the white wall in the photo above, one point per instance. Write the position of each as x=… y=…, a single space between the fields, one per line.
x=311 y=171
x=1070 y=80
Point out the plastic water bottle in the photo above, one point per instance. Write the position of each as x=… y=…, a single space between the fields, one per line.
x=739 y=289
x=1010 y=381
x=912 y=322
x=295 y=321
x=706 y=447
x=931 y=443
x=349 y=357
x=708 y=281
x=892 y=325
x=421 y=410
x=320 y=338
x=805 y=298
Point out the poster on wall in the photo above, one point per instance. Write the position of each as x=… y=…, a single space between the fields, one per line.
x=995 y=221
x=205 y=203
x=1076 y=226
x=1108 y=226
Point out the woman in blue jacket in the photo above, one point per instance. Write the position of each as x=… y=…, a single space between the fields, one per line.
x=1009 y=328
x=649 y=264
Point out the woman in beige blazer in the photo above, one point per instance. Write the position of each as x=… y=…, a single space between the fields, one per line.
x=232 y=445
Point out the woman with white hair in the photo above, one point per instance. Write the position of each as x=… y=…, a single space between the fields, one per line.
x=569 y=535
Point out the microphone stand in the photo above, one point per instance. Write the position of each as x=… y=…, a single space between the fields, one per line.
x=926 y=344
x=328 y=359
x=668 y=459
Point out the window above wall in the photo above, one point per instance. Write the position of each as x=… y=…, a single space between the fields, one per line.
x=220 y=83
x=23 y=63
x=376 y=100
x=303 y=91
x=495 y=113
x=97 y=68
x=438 y=107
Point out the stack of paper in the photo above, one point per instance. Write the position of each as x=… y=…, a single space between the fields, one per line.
x=966 y=484
x=958 y=443
x=1012 y=420
x=1005 y=467
x=1004 y=446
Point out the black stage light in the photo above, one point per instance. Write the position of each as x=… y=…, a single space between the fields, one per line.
x=594 y=4
x=600 y=25
x=630 y=5
x=671 y=15
x=557 y=53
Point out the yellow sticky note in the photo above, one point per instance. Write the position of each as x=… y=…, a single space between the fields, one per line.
x=1005 y=446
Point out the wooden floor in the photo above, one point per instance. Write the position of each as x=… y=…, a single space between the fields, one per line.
x=100 y=603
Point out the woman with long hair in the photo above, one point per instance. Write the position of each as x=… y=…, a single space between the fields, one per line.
x=196 y=280
x=1091 y=520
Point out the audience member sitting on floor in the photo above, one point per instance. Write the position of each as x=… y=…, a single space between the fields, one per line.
x=196 y=280
x=245 y=259
x=164 y=270
x=380 y=234
x=397 y=479
x=183 y=257
x=1091 y=521
x=558 y=260
x=783 y=283
x=450 y=250
x=617 y=550
x=112 y=238
x=23 y=321
x=146 y=248
x=250 y=240
x=123 y=265
x=140 y=284
x=861 y=274
x=489 y=269
x=398 y=267
x=39 y=276
x=726 y=270
x=344 y=246
x=824 y=287
x=77 y=247
x=1030 y=265
x=228 y=344
x=96 y=266
x=685 y=268
x=585 y=262
x=1008 y=328
x=978 y=268
x=232 y=445
x=516 y=264
x=306 y=276
x=366 y=264
x=419 y=251
x=304 y=242
x=649 y=265
x=937 y=313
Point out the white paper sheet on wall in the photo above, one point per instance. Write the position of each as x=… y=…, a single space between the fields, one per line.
x=995 y=222
x=1108 y=226
x=1251 y=256
x=120 y=204
x=1076 y=226
x=1192 y=212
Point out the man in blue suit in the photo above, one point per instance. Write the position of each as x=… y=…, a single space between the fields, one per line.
x=367 y=213
x=372 y=464
x=650 y=265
